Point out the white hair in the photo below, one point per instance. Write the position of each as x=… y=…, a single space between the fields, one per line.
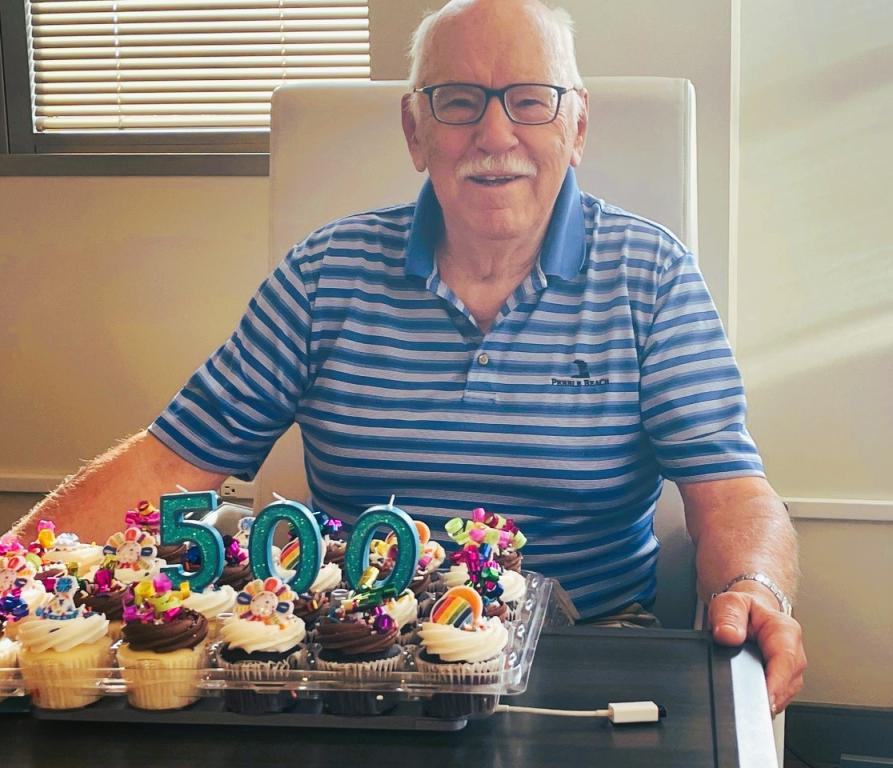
x=558 y=36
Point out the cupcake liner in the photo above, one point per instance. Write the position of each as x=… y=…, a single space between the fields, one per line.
x=249 y=702
x=65 y=680
x=362 y=671
x=464 y=673
x=162 y=680
x=9 y=660
x=115 y=628
x=456 y=705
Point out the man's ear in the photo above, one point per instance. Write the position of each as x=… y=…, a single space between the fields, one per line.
x=410 y=127
x=582 y=127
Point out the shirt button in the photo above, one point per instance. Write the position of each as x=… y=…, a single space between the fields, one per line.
x=483 y=358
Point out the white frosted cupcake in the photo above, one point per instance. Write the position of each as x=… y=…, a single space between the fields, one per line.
x=68 y=549
x=61 y=650
x=460 y=646
x=211 y=603
x=512 y=583
x=262 y=642
x=20 y=594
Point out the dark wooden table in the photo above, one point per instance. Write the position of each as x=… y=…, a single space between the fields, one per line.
x=700 y=684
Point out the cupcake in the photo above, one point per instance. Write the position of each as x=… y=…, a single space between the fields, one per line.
x=147 y=518
x=62 y=648
x=20 y=593
x=164 y=648
x=262 y=642
x=132 y=554
x=459 y=645
x=104 y=594
x=335 y=546
x=501 y=599
x=359 y=640
x=236 y=568
x=80 y=559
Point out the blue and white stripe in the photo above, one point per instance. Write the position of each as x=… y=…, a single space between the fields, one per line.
x=356 y=338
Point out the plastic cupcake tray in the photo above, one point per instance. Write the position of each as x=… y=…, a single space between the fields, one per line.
x=406 y=699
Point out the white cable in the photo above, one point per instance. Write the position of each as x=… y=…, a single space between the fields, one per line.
x=557 y=712
x=619 y=712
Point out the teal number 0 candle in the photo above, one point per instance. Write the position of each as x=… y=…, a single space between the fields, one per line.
x=175 y=530
x=356 y=559
x=306 y=530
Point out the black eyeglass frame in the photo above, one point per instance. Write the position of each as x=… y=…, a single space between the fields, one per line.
x=489 y=93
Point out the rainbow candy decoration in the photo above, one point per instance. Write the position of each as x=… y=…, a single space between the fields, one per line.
x=290 y=554
x=268 y=600
x=460 y=606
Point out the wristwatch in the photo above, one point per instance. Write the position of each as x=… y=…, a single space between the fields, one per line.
x=761 y=578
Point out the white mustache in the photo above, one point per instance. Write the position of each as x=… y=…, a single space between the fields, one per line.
x=497 y=165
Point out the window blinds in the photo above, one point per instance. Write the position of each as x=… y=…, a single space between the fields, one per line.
x=184 y=64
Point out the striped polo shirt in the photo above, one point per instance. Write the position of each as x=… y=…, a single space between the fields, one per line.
x=605 y=371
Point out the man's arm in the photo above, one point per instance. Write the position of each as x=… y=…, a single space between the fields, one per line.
x=741 y=526
x=92 y=502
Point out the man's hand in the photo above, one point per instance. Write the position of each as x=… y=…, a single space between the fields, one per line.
x=736 y=616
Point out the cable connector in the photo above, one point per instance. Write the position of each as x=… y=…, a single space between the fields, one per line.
x=622 y=713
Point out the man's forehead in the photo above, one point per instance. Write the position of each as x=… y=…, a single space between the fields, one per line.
x=480 y=47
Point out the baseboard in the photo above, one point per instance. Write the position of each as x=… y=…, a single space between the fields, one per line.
x=36 y=483
x=850 y=510
x=820 y=733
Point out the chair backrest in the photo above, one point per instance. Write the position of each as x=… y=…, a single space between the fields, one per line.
x=338 y=148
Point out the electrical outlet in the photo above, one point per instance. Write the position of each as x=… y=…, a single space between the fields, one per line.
x=231 y=488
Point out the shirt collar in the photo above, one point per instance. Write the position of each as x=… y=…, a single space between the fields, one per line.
x=564 y=246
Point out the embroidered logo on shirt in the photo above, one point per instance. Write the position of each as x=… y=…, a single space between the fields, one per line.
x=582 y=378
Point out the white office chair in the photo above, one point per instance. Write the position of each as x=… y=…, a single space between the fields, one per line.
x=338 y=148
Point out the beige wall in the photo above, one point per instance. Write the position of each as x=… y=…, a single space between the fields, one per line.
x=815 y=313
x=114 y=290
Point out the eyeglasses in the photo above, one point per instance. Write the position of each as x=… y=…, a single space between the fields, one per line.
x=465 y=103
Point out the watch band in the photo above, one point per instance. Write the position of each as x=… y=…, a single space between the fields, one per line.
x=761 y=578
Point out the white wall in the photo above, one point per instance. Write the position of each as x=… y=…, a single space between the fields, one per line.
x=815 y=303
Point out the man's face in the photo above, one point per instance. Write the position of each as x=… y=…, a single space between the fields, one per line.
x=494 y=45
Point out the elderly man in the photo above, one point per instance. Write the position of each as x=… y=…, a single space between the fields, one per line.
x=506 y=341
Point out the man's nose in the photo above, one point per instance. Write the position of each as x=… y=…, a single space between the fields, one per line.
x=495 y=132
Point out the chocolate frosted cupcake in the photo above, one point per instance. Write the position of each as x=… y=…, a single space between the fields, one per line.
x=236 y=568
x=165 y=646
x=104 y=594
x=359 y=640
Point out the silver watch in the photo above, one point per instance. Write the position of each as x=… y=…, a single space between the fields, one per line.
x=761 y=578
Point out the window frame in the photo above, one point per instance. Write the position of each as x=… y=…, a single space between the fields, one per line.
x=25 y=152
